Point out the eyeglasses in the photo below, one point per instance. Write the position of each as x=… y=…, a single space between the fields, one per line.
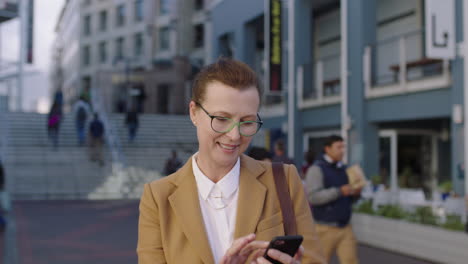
x=221 y=124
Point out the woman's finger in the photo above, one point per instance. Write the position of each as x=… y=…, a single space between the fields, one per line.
x=258 y=253
x=280 y=256
x=247 y=250
x=299 y=253
x=238 y=245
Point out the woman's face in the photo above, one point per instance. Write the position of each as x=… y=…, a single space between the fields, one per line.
x=223 y=149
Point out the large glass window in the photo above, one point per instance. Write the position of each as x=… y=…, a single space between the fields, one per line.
x=119 y=48
x=120 y=15
x=103 y=52
x=87 y=25
x=103 y=20
x=138 y=10
x=198 y=4
x=199 y=36
x=164 y=38
x=164 y=7
x=86 y=55
x=138 y=44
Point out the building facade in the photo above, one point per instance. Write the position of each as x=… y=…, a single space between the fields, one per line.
x=402 y=107
x=122 y=48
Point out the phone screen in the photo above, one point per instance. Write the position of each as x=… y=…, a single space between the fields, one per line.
x=285 y=244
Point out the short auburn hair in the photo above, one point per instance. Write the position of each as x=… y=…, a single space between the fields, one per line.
x=228 y=71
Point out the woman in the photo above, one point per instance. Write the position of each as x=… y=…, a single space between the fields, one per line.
x=221 y=206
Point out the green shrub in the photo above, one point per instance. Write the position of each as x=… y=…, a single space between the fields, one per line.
x=445 y=187
x=365 y=207
x=454 y=222
x=391 y=211
x=376 y=179
x=423 y=215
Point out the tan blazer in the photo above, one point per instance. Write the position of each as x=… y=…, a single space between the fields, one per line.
x=171 y=227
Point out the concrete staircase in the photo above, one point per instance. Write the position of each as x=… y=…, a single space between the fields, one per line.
x=145 y=157
x=34 y=170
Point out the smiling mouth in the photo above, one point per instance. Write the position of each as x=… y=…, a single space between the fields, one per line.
x=227 y=147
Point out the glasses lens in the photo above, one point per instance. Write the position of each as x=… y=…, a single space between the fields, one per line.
x=249 y=128
x=221 y=124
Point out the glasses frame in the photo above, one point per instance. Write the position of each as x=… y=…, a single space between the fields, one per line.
x=234 y=124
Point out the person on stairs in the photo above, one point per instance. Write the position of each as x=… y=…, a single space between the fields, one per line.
x=96 y=142
x=82 y=110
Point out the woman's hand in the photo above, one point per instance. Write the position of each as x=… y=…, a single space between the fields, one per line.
x=281 y=257
x=242 y=248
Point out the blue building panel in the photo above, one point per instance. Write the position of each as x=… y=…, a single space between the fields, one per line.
x=423 y=105
x=230 y=16
x=319 y=118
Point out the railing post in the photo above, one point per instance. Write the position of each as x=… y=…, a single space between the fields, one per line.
x=300 y=85
x=402 y=77
x=445 y=68
x=367 y=70
x=319 y=80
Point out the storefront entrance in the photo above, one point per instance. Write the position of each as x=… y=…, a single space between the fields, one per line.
x=409 y=159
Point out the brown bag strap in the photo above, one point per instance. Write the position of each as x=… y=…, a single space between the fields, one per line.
x=289 y=219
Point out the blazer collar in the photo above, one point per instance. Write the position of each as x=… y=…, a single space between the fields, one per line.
x=252 y=195
x=185 y=203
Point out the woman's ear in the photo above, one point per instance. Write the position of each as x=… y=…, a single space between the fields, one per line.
x=193 y=112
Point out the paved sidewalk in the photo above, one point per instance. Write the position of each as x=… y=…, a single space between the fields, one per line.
x=371 y=255
x=100 y=232
x=69 y=232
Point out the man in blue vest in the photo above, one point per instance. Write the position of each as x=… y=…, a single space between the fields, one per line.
x=331 y=198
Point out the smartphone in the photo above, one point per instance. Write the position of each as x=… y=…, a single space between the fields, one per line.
x=285 y=244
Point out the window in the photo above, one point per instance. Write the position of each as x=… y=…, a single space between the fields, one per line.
x=119 y=48
x=164 y=7
x=164 y=38
x=199 y=36
x=87 y=25
x=198 y=4
x=86 y=84
x=226 y=45
x=120 y=15
x=102 y=52
x=138 y=44
x=86 y=55
x=103 y=20
x=138 y=10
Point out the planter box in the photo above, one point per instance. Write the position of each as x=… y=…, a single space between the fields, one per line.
x=421 y=241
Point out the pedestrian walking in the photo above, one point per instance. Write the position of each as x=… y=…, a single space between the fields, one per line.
x=96 y=142
x=53 y=124
x=280 y=153
x=81 y=111
x=172 y=164
x=331 y=197
x=259 y=153
x=132 y=123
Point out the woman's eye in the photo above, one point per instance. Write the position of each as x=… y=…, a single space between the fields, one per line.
x=222 y=119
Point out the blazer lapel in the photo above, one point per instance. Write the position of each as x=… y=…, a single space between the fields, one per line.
x=251 y=197
x=185 y=203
